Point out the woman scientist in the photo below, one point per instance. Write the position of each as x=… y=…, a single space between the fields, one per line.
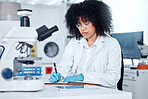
x=92 y=56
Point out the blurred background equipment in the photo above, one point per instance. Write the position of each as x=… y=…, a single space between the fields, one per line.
x=45 y=2
x=8 y=11
x=143 y=48
x=51 y=50
x=128 y=42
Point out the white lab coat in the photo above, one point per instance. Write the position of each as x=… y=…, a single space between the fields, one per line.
x=107 y=61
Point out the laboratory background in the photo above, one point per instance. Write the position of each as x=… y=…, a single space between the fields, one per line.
x=130 y=29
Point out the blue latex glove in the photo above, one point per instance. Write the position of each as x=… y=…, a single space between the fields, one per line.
x=74 y=86
x=55 y=77
x=79 y=77
x=70 y=86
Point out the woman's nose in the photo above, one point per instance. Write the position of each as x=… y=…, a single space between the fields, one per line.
x=83 y=27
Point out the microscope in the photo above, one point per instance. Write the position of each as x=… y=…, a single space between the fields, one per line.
x=17 y=70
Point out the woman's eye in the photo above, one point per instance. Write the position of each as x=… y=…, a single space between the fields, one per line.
x=86 y=23
x=79 y=25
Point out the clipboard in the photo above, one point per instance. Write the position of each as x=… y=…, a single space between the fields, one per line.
x=76 y=83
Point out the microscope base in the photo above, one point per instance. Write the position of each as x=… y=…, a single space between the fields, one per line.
x=22 y=85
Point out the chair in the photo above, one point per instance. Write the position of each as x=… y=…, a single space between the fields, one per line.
x=119 y=84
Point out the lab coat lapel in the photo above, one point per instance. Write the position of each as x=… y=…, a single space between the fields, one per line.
x=78 y=56
x=99 y=43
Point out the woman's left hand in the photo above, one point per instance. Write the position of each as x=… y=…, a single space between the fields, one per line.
x=79 y=77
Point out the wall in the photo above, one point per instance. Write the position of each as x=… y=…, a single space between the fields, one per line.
x=129 y=16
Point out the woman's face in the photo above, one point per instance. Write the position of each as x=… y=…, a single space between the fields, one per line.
x=87 y=29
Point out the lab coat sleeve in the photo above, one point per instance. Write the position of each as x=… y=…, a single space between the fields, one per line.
x=112 y=74
x=66 y=62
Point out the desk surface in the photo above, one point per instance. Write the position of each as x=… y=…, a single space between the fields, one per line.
x=50 y=92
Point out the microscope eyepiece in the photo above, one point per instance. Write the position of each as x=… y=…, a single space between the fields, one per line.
x=44 y=32
x=24 y=19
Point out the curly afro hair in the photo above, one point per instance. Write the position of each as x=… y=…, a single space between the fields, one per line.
x=97 y=12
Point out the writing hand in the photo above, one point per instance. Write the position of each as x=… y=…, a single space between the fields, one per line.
x=55 y=77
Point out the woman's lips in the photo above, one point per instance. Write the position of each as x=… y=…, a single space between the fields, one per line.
x=84 y=33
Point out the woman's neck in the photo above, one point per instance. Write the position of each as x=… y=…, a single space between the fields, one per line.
x=92 y=40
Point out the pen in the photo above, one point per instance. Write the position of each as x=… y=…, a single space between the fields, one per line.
x=55 y=70
x=55 y=67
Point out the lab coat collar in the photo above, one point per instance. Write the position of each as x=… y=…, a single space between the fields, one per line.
x=99 y=43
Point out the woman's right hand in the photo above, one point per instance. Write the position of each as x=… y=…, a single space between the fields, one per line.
x=55 y=77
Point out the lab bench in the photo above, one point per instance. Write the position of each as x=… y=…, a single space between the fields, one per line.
x=80 y=93
x=136 y=81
